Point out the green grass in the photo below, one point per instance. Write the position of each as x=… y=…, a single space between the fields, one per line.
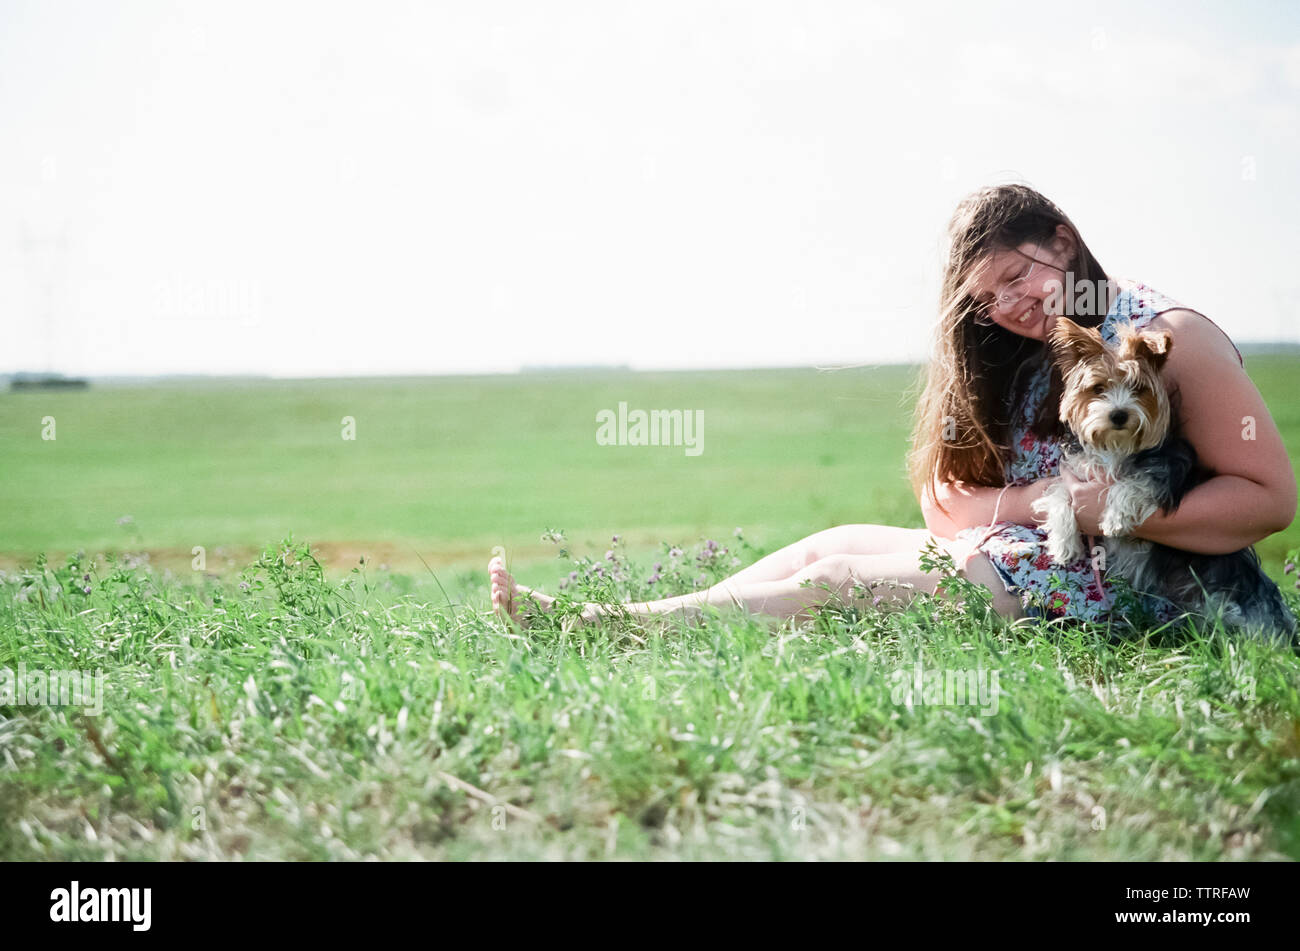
x=305 y=718
x=446 y=467
x=443 y=469
x=385 y=713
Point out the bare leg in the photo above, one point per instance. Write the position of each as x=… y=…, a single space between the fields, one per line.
x=840 y=540
x=767 y=588
x=510 y=598
x=896 y=577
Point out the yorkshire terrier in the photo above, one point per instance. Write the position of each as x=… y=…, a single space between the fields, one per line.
x=1122 y=427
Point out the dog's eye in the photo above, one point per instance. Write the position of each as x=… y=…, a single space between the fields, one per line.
x=1099 y=389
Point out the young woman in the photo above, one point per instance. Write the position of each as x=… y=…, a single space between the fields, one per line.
x=987 y=440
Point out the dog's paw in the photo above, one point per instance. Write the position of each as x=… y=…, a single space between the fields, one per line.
x=1114 y=526
x=1064 y=550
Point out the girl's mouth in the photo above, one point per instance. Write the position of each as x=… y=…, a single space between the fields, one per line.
x=1033 y=311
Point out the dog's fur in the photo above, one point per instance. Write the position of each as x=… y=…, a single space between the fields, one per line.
x=1123 y=427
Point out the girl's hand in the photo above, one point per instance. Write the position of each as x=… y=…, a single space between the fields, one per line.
x=1088 y=500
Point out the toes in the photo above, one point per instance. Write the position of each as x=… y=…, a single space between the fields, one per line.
x=497 y=569
x=501 y=599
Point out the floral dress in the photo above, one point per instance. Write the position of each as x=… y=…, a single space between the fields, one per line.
x=1019 y=552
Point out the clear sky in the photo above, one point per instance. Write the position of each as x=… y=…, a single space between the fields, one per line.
x=309 y=188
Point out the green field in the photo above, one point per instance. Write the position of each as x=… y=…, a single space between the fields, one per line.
x=265 y=708
x=445 y=468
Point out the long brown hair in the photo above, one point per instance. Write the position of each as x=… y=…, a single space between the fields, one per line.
x=962 y=426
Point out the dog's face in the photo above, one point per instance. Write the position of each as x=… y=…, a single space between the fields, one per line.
x=1114 y=400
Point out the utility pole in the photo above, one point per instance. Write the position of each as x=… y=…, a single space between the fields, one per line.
x=47 y=265
x=47 y=260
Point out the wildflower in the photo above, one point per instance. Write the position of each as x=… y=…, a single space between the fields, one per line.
x=659 y=566
x=710 y=544
x=877 y=599
x=609 y=555
x=615 y=540
x=86 y=590
x=654 y=578
x=243 y=586
x=675 y=552
x=737 y=533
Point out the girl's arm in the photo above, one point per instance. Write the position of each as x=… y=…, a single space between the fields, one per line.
x=972 y=505
x=1253 y=492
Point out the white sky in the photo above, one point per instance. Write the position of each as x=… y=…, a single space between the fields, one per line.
x=318 y=189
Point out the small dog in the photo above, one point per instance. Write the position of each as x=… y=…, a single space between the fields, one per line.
x=1122 y=427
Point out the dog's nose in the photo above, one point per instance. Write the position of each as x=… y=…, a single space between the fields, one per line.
x=1118 y=417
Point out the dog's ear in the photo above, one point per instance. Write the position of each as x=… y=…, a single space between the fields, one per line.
x=1151 y=346
x=1071 y=343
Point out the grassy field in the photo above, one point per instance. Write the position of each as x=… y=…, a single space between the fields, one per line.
x=446 y=468
x=272 y=707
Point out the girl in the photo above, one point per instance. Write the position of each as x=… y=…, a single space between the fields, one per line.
x=987 y=440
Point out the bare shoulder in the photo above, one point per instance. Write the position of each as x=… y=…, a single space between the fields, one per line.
x=1217 y=399
x=1198 y=345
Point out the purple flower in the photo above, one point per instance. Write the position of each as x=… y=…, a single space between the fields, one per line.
x=710 y=544
x=615 y=539
x=609 y=555
x=675 y=552
x=654 y=578
x=659 y=566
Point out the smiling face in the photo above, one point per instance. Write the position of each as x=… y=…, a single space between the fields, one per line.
x=1042 y=267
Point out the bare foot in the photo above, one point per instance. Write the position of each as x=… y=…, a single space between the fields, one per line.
x=509 y=598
